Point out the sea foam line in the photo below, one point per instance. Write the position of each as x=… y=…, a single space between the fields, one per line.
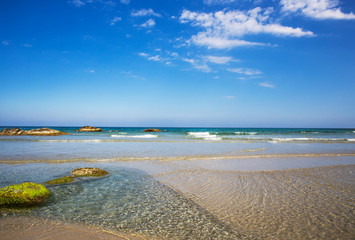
x=205 y=136
x=135 y=136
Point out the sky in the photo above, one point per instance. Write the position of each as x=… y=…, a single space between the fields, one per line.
x=177 y=63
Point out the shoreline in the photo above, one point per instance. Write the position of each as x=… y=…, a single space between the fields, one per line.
x=177 y=158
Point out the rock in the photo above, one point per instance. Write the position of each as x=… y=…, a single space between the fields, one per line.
x=24 y=194
x=151 y=130
x=62 y=180
x=44 y=132
x=32 y=132
x=89 y=129
x=12 y=132
x=87 y=172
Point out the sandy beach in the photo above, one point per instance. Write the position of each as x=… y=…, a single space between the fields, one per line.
x=306 y=203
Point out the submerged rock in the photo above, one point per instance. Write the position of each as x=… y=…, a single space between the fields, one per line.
x=62 y=180
x=24 y=194
x=89 y=129
x=88 y=172
x=32 y=132
x=151 y=130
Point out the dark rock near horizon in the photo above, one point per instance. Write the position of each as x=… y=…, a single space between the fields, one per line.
x=151 y=130
x=32 y=132
x=89 y=129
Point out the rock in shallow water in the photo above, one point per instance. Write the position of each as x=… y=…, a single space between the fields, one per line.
x=87 y=172
x=32 y=132
x=151 y=130
x=24 y=194
x=89 y=129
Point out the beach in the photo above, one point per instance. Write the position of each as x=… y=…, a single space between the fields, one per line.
x=186 y=184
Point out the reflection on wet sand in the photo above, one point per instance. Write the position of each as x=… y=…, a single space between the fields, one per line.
x=314 y=203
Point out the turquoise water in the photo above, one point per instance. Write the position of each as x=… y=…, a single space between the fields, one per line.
x=132 y=143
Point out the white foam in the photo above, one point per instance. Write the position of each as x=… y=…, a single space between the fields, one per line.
x=245 y=133
x=205 y=136
x=135 y=136
x=308 y=139
x=351 y=139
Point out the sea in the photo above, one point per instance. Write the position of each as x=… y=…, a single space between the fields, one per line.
x=134 y=198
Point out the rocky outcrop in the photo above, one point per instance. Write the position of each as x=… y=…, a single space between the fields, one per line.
x=88 y=172
x=24 y=194
x=32 y=132
x=12 y=132
x=151 y=130
x=89 y=129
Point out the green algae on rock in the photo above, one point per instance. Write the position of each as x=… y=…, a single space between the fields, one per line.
x=62 y=180
x=89 y=172
x=24 y=194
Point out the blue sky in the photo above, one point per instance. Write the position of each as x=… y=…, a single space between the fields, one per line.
x=207 y=63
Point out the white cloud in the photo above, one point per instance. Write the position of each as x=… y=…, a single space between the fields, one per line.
x=245 y=71
x=149 y=23
x=201 y=66
x=90 y=71
x=142 y=54
x=318 y=9
x=78 y=3
x=125 y=1
x=155 y=58
x=223 y=29
x=5 y=43
x=219 y=60
x=115 y=20
x=267 y=85
x=144 y=12
x=215 y=2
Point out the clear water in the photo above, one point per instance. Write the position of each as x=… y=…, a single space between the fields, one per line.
x=126 y=200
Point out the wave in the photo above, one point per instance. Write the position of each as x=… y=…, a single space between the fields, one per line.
x=205 y=136
x=245 y=133
x=135 y=136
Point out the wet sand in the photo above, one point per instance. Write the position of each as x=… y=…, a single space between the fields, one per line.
x=309 y=203
x=12 y=228
x=314 y=203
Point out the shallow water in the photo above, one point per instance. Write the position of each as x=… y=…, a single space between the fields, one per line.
x=126 y=200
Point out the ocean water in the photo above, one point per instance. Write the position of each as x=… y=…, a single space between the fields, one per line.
x=132 y=143
x=187 y=183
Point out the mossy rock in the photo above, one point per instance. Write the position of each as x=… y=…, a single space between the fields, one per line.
x=88 y=172
x=24 y=194
x=62 y=180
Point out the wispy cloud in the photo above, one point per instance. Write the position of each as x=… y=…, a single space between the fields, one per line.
x=197 y=64
x=5 y=43
x=125 y=1
x=219 y=60
x=245 y=71
x=318 y=9
x=90 y=71
x=78 y=3
x=144 y=12
x=26 y=45
x=223 y=29
x=266 y=85
x=115 y=20
x=216 y=2
x=148 y=24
